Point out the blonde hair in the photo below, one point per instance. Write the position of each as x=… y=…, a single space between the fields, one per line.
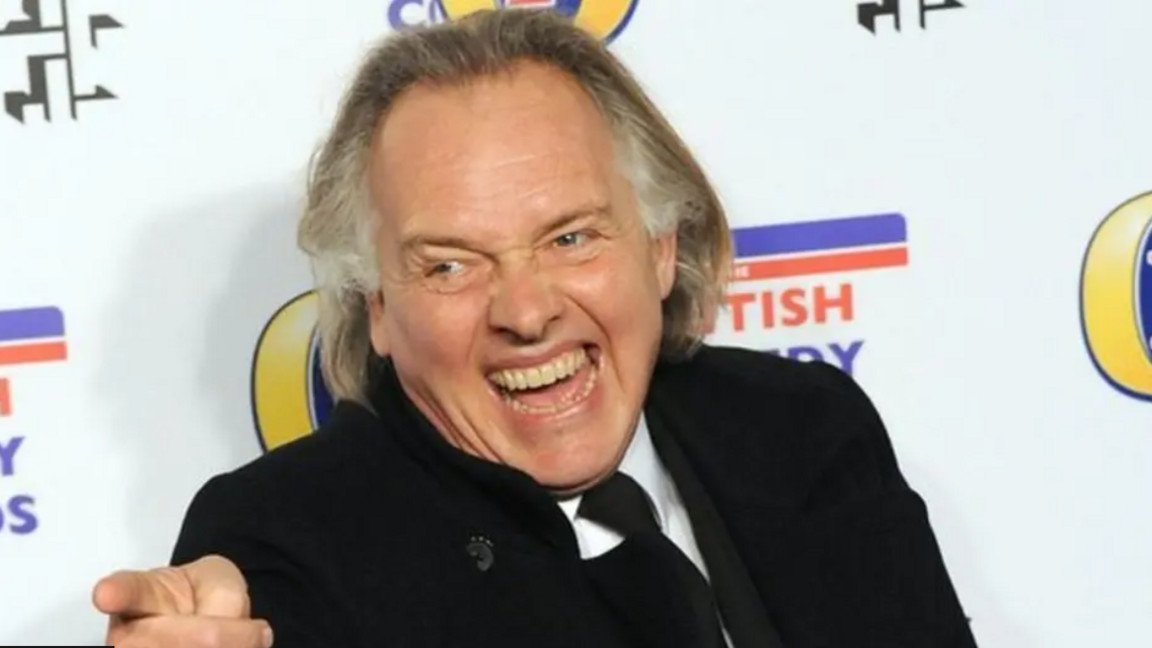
x=337 y=226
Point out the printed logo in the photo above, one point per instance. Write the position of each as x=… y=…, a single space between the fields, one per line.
x=603 y=18
x=791 y=251
x=58 y=63
x=1116 y=298
x=27 y=336
x=867 y=13
x=289 y=398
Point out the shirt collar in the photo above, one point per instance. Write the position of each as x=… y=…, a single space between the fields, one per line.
x=642 y=464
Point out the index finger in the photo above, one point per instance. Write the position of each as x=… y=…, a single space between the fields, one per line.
x=190 y=632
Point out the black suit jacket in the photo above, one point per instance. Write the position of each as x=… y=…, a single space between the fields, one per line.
x=375 y=532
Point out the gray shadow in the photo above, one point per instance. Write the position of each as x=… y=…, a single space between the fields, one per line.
x=991 y=624
x=174 y=360
x=174 y=353
x=179 y=346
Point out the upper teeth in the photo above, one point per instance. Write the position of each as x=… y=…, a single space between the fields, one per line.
x=541 y=375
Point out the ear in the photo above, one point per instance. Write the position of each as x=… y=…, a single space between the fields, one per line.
x=664 y=256
x=377 y=331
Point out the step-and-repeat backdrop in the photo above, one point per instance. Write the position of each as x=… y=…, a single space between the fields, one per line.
x=947 y=199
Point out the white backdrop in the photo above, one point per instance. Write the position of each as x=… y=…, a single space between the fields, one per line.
x=160 y=223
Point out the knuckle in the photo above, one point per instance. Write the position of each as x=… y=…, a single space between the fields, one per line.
x=173 y=589
x=229 y=599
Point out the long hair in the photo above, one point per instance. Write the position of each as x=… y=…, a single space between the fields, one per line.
x=338 y=226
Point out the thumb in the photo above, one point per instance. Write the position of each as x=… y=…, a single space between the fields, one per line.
x=144 y=593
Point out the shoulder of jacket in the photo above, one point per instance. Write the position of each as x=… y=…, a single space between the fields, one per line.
x=801 y=408
x=350 y=442
x=808 y=423
x=735 y=372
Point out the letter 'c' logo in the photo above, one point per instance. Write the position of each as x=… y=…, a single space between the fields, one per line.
x=1116 y=298
x=603 y=18
x=289 y=398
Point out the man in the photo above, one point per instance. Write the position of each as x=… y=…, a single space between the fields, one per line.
x=516 y=258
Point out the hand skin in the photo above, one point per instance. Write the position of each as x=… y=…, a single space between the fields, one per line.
x=203 y=604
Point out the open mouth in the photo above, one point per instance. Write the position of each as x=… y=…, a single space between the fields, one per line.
x=550 y=387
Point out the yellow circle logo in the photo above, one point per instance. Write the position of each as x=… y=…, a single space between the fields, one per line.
x=1116 y=297
x=289 y=398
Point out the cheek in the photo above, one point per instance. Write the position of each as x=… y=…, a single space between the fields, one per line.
x=621 y=294
x=433 y=331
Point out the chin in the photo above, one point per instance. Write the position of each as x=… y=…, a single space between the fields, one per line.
x=572 y=471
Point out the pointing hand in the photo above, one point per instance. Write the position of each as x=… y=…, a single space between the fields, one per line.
x=203 y=604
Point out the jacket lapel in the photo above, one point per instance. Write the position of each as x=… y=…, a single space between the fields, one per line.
x=745 y=616
x=642 y=581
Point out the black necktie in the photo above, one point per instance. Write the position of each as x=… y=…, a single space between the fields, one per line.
x=659 y=594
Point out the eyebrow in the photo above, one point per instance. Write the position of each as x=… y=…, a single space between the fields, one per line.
x=566 y=219
x=416 y=241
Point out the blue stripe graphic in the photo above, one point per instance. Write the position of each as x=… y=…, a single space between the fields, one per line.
x=879 y=229
x=31 y=323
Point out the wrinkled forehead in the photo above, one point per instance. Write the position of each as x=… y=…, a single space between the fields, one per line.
x=526 y=143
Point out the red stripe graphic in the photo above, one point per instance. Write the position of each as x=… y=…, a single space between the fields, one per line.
x=5 y=398
x=42 y=352
x=809 y=265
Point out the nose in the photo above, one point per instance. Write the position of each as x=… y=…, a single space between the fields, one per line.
x=524 y=302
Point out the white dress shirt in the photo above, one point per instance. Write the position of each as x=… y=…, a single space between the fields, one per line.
x=643 y=465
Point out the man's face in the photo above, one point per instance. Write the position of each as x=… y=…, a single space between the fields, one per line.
x=520 y=293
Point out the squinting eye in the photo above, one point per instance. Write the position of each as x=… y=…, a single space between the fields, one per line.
x=446 y=268
x=571 y=239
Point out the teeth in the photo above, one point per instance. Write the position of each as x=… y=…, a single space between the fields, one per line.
x=564 y=403
x=541 y=375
